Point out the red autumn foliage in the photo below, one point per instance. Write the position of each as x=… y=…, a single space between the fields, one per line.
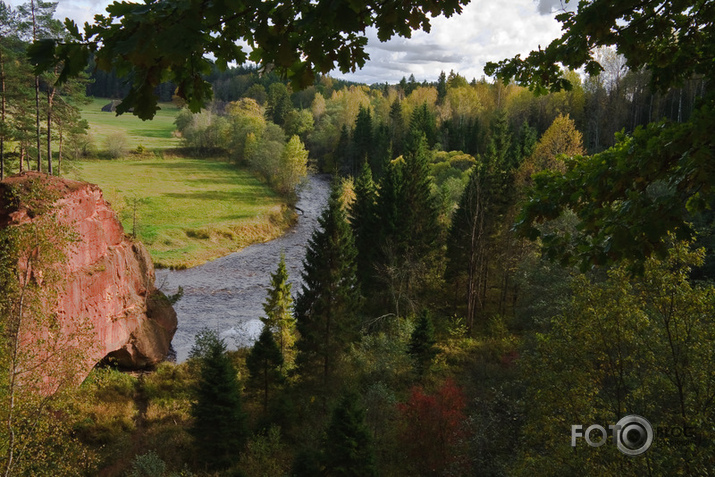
x=432 y=426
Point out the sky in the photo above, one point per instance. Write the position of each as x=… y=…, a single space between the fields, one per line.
x=487 y=30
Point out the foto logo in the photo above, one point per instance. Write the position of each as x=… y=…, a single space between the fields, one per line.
x=633 y=434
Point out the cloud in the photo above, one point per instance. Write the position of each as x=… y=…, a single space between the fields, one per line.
x=547 y=7
x=485 y=31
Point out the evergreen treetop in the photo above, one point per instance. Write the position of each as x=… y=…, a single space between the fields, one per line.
x=219 y=427
x=327 y=308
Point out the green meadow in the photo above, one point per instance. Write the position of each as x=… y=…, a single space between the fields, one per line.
x=188 y=211
x=185 y=210
x=157 y=133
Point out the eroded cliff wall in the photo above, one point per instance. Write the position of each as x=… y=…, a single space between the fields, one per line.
x=109 y=281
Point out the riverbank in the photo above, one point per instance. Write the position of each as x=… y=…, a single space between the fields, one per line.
x=188 y=211
x=227 y=294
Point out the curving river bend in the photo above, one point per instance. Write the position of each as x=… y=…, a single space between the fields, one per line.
x=227 y=294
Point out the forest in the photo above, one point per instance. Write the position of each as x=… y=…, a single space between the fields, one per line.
x=503 y=263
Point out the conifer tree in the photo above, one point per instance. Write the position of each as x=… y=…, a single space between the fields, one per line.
x=362 y=141
x=419 y=210
x=421 y=347
x=219 y=428
x=279 y=311
x=343 y=160
x=441 y=87
x=348 y=447
x=526 y=143
x=363 y=219
x=264 y=363
x=397 y=128
x=408 y=231
x=327 y=308
x=483 y=204
x=382 y=151
x=422 y=123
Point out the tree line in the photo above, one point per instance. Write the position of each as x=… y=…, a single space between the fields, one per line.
x=39 y=119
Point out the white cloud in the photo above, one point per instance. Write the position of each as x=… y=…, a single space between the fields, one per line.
x=485 y=31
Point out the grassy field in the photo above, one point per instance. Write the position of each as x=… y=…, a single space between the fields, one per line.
x=188 y=211
x=155 y=134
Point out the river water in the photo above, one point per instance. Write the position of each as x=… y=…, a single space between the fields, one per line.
x=227 y=294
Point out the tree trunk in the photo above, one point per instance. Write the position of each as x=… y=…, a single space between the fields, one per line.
x=50 y=99
x=2 y=116
x=476 y=259
x=37 y=122
x=59 y=152
x=37 y=90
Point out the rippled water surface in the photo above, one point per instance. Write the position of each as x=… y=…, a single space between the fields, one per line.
x=227 y=294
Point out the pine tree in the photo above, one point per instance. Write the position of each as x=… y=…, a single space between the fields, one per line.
x=219 y=428
x=279 y=311
x=421 y=347
x=327 y=308
x=348 y=449
x=264 y=363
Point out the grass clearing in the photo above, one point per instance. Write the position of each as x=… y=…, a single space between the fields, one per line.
x=155 y=134
x=188 y=211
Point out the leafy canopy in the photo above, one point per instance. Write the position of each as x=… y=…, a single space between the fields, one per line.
x=170 y=40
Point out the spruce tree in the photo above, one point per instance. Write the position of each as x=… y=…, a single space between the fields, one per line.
x=327 y=308
x=422 y=123
x=363 y=219
x=419 y=211
x=348 y=449
x=264 y=363
x=362 y=141
x=525 y=144
x=441 y=87
x=421 y=347
x=408 y=230
x=397 y=128
x=479 y=216
x=343 y=153
x=382 y=151
x=279 y=310
x=219 y=427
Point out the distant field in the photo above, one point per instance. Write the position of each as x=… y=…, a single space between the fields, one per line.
x=188 y=211
x=154 y=134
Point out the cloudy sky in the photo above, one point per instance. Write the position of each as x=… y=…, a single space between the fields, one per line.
x=487 y=30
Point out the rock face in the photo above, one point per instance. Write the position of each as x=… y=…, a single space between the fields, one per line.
x=110 y=278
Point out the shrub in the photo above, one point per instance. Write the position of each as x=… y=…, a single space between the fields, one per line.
x=116 y=144
x=148 y=465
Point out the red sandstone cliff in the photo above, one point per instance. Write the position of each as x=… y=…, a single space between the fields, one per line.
x=109 y=278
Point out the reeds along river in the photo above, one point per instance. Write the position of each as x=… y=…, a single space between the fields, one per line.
x=227 y=294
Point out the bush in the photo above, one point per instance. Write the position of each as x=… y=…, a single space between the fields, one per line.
x=148 y=465
x=116 y=144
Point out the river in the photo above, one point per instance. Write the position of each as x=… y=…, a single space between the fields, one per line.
x=227 y=294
